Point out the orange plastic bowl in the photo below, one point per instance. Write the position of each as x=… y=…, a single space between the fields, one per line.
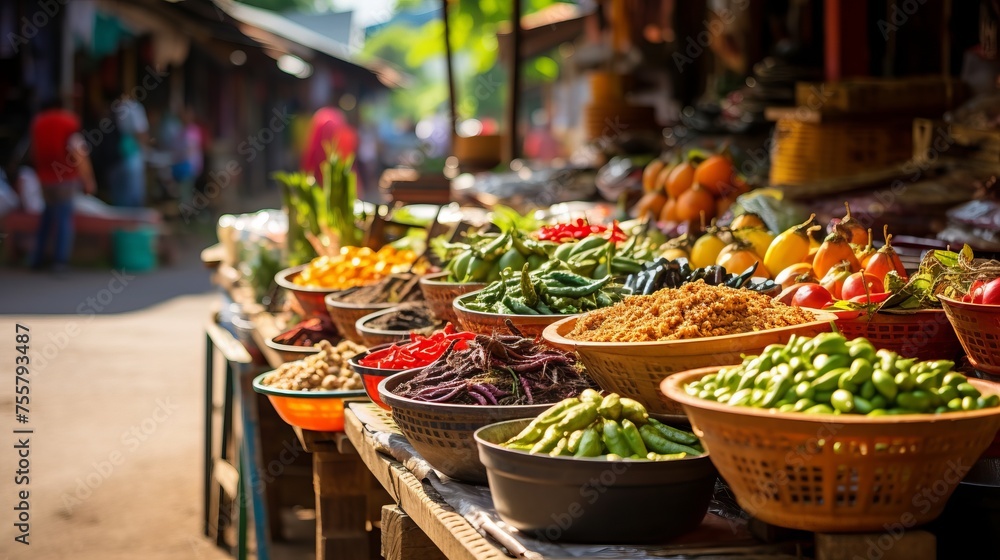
x=321 y=411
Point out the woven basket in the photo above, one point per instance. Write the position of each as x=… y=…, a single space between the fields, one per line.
x=978 y=328
x=843 y=473
x=635 y=369
x=345 y=315
x=531 y=326
x=440 y=295
x=442 y=433
x=924 y=334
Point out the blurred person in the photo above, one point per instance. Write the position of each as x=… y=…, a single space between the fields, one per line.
x=540 y=144
x=59 y=153
x=186 y=148
x=128 y=177
x=329 y=127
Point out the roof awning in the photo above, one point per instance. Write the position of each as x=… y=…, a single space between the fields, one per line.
x=274 y=31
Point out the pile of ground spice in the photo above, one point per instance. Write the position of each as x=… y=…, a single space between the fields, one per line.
x=416 y=316
x=694 y=310
x=396 y=288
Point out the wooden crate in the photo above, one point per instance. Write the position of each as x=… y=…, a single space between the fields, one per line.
x=913 y=95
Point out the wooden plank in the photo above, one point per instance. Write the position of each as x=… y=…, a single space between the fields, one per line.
x=231 y=349
x=448 y=530
x=402 y=539
x=341 y=483
x=903 y=544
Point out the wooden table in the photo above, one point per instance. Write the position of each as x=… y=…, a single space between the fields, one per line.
x=448 y=531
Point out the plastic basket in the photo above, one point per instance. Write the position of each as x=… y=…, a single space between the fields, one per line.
x=924 y=334
x=531 y=326
x=978 y=328
x=345 y=315
x=843 y=473
x=440 y=295
x=322 y=411
x=635 y=369
x=135 y=249
x=443 y=433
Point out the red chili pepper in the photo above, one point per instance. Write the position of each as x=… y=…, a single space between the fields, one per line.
x=871 y=298
x=419 y=351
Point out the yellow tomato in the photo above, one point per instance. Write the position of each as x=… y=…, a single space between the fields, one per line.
x=706 y=250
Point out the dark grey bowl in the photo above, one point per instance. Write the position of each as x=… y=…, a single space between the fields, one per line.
x=594 y=500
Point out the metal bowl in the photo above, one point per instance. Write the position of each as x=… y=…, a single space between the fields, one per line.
x=591 y=500
x=290 y=352
x=442 y=433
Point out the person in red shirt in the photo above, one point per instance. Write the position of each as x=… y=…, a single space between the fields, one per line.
x=60 y=157
x=330 y=128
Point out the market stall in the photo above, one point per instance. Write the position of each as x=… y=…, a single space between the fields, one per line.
x=695 y=350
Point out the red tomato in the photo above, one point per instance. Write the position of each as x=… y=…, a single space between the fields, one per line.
x=871 y=298
x=854 y=286
x=991 y=293
x=813 y=296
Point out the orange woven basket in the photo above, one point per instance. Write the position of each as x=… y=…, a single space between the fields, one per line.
x=843 y=473
x=440 y=294
x=635 y=369
x=924 y=334
x=978 y=328
x=345 y=315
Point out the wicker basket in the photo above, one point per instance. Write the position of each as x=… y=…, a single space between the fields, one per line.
x=846 y=473
x=442 y=433
x=440 y=295
x=924 y=334
x=635 y=369
x=978 y=328
x=531 y=326
x=345 y=315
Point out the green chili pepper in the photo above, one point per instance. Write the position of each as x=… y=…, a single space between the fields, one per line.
x=592 y=242
x=548 y=442
x=634 y=411
x=885 y=384
x=518 y=306
x=590 y=444
x=561 y=448
x=578 y=417
x=578 y=291
x=968 y=390
x=527 y=289
x=590 y=395
x=673 y=434
x=611 y=407
x=573 y=443
x=665 y=456
x=493 y=250
x=614 y=440
x=655 y=442
x=828 y=381
x=632 y=437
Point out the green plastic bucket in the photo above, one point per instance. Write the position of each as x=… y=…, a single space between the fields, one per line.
x=135 y=249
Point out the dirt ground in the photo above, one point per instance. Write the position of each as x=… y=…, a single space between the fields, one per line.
x=116 y=397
